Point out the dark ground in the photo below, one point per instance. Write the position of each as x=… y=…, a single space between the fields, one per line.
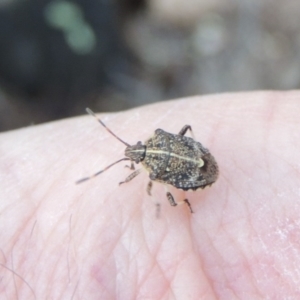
x=58 y=57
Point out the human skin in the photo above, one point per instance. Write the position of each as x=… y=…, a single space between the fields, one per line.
x=98 y=240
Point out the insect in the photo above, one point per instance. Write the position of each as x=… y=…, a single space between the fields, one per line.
x=172 y=159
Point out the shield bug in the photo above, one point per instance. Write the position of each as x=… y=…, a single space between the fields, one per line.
x=173 y=159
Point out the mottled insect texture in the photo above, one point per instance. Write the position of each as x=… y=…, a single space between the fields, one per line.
x=173 y=159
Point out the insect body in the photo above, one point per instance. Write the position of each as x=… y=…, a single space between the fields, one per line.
x=171 y=159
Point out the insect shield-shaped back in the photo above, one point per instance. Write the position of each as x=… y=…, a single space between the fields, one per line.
x=179 y=161
x=136 y=152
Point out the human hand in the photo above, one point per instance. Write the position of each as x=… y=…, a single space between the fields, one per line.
x=97 y=240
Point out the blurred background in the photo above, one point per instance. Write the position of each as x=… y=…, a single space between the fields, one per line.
x=58 y=57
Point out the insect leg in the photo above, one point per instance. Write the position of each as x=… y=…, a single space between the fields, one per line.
x=184 y=129
x=171 y=199
x=157 y=210
x=188 y=204
x=131 y=167
x=131 y=176
x=149 y=187
x=173 y=203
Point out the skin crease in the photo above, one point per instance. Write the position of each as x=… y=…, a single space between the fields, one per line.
x=97 y=240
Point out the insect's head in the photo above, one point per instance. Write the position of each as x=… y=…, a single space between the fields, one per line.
x=136 y=152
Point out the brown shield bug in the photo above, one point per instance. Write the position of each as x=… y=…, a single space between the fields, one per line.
x=169 y=158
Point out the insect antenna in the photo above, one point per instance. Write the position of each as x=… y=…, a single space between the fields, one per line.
x=99 y=172
x=90 y=112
